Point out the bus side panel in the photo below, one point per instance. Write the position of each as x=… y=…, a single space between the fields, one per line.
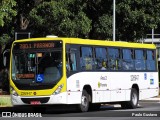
x=74 y=97
x=101 y=96
x=148 y=85
x=112 y=86
x=147 y=93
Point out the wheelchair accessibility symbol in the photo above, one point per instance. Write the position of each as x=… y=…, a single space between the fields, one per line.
x=39 y=78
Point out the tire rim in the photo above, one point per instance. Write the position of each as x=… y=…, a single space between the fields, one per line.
x=134 y=99
x=84 y=102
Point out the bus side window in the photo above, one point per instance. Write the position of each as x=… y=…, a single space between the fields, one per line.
x=127 y=61
x=73 y=62
x=150 y=61
x=139 y=60
x=86 y=60
x=114 y=58
x=101 y=58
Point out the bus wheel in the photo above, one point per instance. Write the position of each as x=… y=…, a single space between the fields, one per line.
x=84 y=106
x=134 y=99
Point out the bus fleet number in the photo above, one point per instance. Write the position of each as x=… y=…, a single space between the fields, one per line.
x=134 y=77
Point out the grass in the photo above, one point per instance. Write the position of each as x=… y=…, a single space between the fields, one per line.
x=5 y=101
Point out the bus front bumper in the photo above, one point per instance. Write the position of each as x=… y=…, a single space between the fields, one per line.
x=39 y=100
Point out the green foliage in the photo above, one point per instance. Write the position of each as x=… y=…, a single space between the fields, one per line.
x=84 y=18
x=4 y=39
x=103 y=29
x=6 y=11
x=60 y=18
x=136 y=18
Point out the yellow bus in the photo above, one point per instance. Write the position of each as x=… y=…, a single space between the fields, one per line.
x=82 y=72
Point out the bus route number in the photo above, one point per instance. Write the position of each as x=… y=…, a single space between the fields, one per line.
x=134 y=77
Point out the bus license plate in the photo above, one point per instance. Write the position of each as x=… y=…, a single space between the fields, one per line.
x=35 y=102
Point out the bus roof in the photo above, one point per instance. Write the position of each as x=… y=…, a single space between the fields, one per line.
x=93 y=42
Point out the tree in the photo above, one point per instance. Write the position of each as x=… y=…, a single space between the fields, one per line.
x=7 y=12
x=62 y=18
x=136 y=18
x=84 y=18
x=99 y=12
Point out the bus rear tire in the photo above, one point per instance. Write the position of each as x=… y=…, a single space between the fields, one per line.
x=133 y=103
x=84 y=106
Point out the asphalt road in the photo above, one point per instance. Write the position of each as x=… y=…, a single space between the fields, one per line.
x=147 y=110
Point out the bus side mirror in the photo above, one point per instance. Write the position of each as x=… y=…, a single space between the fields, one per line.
x=4 y=61
x=5 y=54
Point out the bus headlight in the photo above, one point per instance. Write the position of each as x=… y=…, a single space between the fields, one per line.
x=58 y=90
x=13 y=92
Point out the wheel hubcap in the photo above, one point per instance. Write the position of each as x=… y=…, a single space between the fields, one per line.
x=84 y=101
x=134 y=99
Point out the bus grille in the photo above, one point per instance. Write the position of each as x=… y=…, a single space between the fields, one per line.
x=42 y=100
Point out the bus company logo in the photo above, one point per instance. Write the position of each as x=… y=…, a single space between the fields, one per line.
x=103 y=78
x=101 y=85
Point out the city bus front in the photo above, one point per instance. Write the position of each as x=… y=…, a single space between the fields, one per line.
x=36 y=73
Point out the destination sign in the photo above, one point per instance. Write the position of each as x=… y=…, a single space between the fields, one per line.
x=25 y=76
x=38 y=45
x=35 y=45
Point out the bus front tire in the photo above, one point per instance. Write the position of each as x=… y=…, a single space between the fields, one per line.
x=84 y=106
x=133 y=103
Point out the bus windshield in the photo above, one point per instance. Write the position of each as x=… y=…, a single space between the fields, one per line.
x=36 y=68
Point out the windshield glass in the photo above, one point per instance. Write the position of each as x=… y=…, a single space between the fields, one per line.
x=36 y=67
